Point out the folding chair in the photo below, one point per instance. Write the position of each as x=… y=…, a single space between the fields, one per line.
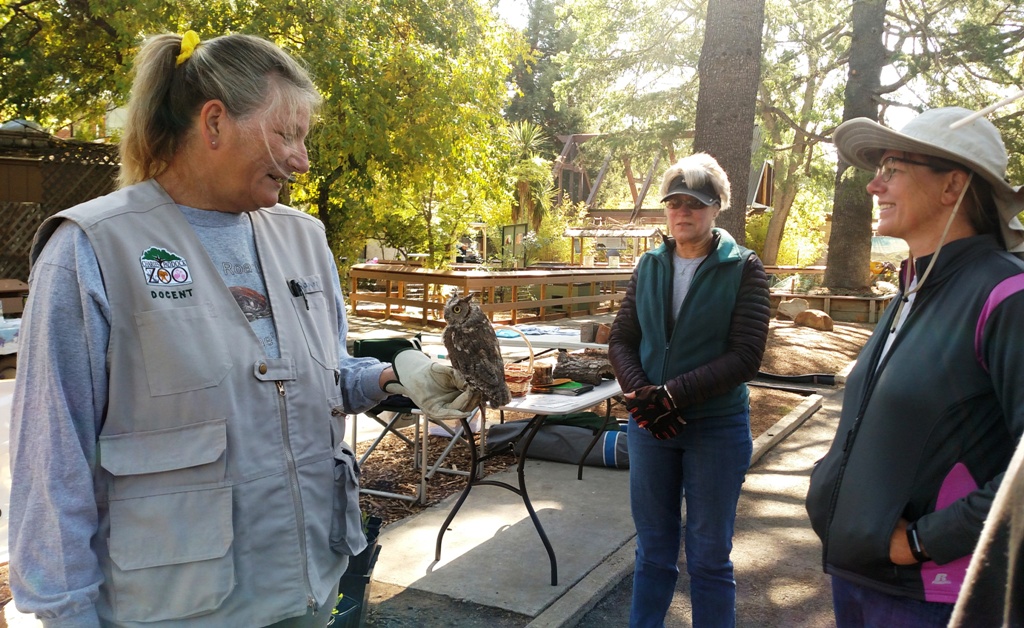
x=397 y=412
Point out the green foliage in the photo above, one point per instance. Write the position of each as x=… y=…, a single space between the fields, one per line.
x=633 y=65
x=548 y=33
x=413 y=95
x=967 y=54
x=530 y=173
x=412 y=124
x=554 y=246
x=804 y=240
x=757 y=231
x=410 y=145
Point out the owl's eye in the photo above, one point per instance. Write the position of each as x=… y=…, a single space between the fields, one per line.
x=457 y=309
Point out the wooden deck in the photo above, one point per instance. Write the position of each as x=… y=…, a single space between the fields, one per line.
x=418 y=294
x=840 y=308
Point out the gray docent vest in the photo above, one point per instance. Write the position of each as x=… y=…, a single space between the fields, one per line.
x=220 y=497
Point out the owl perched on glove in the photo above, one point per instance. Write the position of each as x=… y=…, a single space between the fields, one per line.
x=473 y=349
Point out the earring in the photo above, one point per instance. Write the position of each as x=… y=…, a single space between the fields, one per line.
x=213 y=143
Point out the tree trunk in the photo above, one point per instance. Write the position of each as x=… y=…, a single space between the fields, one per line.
x=776 y=224
x=730 y=70
x=791 y=169
x=799 y=158
x=849 y=245
x=524 y=208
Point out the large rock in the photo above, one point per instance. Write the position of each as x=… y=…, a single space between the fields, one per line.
x=816 y=319
x=789 y=309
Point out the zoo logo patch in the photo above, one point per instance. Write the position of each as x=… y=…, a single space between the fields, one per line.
x=163 y=268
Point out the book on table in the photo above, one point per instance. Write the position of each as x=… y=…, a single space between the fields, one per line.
x=567 y=388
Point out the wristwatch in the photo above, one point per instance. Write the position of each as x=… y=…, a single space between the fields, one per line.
x=915 y=543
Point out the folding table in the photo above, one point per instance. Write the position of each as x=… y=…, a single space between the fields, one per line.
x=540 y=405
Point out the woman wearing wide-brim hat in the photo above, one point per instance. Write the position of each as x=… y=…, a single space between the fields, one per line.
x=933 y=408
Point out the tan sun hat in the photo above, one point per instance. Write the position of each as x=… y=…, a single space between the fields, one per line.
x=976 y=145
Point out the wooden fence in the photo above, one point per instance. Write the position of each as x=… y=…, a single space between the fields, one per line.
x=39 y=176
x=415 y=294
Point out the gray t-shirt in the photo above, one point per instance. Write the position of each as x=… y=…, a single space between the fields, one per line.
x=683 y=270
x=229 y=241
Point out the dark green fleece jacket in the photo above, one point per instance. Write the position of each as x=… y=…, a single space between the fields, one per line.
x=714 y=345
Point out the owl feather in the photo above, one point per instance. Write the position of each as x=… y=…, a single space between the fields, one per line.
x=473 y=349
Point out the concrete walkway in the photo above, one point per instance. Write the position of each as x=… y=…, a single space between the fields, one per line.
x=777 y=556
x=492 y=556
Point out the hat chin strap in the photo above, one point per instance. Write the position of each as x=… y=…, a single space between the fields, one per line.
x=935 y=255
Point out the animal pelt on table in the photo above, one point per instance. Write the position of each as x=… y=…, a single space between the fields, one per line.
x=590 y=367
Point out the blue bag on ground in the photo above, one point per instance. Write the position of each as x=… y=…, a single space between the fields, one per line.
x=564 y=438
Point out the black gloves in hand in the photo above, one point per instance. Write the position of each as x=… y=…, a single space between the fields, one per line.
x=654 y=410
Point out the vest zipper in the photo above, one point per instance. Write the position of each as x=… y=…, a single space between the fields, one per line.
x=293 y=481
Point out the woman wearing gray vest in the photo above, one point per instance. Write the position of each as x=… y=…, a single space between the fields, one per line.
x=182 y=353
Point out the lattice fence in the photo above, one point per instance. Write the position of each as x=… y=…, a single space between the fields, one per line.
x=72 y=173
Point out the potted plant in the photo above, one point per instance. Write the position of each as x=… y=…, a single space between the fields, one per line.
x=354 y=588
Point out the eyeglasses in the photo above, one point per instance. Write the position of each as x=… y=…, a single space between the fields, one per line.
x=886 y=168
x=685 y=200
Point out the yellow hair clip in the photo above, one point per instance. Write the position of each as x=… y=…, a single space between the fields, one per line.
x=189 y=41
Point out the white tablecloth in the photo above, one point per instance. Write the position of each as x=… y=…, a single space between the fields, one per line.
x=9 y=329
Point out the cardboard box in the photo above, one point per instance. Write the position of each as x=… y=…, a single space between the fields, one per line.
x=13 y=293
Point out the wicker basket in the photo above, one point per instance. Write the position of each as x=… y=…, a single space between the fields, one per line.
x=518 y=376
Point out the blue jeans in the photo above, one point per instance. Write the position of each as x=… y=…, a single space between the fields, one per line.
x=858 y=606
x=704 y=464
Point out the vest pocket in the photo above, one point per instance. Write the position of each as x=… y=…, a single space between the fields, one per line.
x=170 y=519
x=184 y=348
x=171 y=555
x=318 y=326
x=163 y=461
x=347 y=536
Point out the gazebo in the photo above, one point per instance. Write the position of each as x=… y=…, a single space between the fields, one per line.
x=637 y=233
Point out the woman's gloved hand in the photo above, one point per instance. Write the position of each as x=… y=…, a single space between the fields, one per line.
x=440 y=391
x=654 y=410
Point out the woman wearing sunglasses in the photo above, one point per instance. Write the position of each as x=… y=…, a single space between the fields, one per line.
x=690 y=333
x=934 y=406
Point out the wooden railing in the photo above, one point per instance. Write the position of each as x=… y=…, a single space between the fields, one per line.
x=788 y=270
x=525 y=295
x=851 y=309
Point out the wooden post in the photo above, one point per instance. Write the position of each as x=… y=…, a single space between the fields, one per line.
x=426 y=303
